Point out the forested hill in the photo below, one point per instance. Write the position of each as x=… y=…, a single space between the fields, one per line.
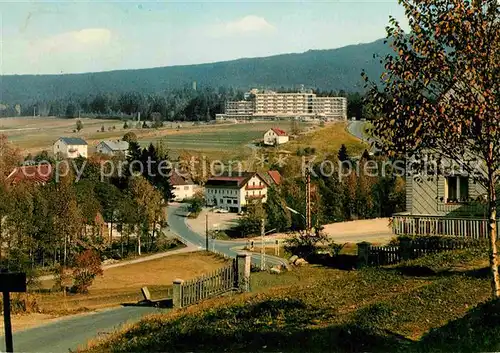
x=335 y=69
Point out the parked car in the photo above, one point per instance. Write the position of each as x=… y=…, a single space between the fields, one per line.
x=223 y=210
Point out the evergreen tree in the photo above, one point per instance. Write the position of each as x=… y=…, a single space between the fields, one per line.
x=278 y=216
x=342 y=155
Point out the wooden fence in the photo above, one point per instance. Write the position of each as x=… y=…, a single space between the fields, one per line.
x=233 y=277
x=412 y=248
x=474 y=228
x=211 y=285
x=384 y=255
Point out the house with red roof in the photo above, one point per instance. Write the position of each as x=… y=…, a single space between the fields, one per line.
x=275 y=137
x=38 y=174
x=234 y=190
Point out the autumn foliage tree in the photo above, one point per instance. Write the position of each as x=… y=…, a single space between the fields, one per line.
x=86 y=268
x=440 y=92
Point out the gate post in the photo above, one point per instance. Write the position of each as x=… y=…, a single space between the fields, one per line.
x=363 y=253
x=243 y=262
x=405 y=248
x=177 y=293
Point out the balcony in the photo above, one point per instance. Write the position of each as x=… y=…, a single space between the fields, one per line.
x=255 y=187
x=255 y=197
x=475 y=228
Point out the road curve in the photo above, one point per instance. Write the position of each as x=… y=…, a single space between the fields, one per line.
x=357 y=129
x=177 y=223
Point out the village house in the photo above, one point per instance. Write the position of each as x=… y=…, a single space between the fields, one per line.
x=275 y=136
x=182 y=186
x=113 y=147
x=233 y=191
x=449 y=204
x=70 y=147
x=39 y=174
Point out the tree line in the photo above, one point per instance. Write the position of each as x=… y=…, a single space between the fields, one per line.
x=54 y=223
x=172 y=105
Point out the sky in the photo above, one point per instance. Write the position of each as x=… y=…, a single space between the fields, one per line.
x=86 y=36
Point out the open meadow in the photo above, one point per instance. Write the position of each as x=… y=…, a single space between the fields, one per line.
x=32 y=135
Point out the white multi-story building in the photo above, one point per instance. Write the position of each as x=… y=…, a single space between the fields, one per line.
x=70 y=147
x=240 y=108
x=235 y=190
x=270 y=104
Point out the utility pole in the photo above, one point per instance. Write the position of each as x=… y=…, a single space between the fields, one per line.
x=206 y=231
x=308 y=199
x=262 y=247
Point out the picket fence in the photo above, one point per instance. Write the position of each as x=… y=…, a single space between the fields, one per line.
x=412 y=249
x=218 y=282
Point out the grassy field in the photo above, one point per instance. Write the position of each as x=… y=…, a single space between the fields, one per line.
x=328 y=140
x=32 y=135
x=122 y=284
x=437 y=303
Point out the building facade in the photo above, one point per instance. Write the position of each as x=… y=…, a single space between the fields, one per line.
x=70 y=147
x=270 y=104
x=183 y=186
x=233 y=191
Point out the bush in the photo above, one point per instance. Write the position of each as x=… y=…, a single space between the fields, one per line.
x=196 y=203
x=87 y=267
x=22 y=303
x=304 y=245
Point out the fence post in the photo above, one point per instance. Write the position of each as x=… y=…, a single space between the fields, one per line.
x=405 y=249
x=177 y=293
x=363 y=253
x=243 y=261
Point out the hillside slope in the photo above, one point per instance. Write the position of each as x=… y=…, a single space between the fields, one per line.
x=334 y=69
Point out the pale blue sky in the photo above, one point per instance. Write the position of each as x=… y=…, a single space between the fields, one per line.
x=83 y=36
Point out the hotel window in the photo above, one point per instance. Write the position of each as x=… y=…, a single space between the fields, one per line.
x=456 y=189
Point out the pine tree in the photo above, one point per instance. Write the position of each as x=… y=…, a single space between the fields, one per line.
x=278 y=216
x=343 y=155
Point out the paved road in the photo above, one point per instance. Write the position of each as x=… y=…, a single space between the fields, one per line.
x=176 y=221
x=357 y=128
x=69 y=333
x=65 y=334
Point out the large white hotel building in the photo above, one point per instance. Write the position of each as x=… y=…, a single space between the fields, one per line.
x=270 y=104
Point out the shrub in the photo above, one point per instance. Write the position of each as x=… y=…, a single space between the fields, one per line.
x=130 y=137
x=335 y=248
x=304 y=245
x=196 y=203
x=22 y=303
x=87 y=267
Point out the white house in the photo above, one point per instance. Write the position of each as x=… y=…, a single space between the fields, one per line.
x=275 y=136
x=235 y=190
x=113 y=147
x=183 y=186
x=70 y=147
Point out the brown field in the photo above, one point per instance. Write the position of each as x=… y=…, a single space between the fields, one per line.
x=123 y=284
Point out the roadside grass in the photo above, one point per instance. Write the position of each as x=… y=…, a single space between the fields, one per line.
x=122 y=284
x=317 y=309
x=328 y=140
